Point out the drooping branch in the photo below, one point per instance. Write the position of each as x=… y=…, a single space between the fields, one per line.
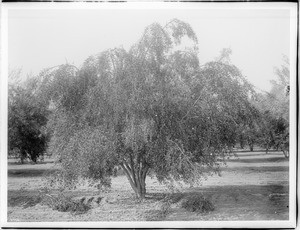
x=70 y=65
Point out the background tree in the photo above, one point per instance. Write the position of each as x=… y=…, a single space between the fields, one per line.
x=149 y=109
x=274 y=107
x=249 y=117
x=26 y=119
x=274 y=133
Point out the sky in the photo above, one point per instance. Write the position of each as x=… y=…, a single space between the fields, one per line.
x=39 y=39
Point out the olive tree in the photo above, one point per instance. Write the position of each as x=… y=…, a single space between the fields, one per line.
x=27 y=119
x=151 y=109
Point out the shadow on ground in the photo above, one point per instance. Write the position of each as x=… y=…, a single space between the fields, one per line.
x=261 y=153
x=30 y=172
x=36 y=172
x=259 y=160
x=16 y=162
x=247 y=202
x=259 y=169
x=264 y=190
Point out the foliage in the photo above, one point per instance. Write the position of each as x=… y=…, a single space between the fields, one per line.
x=150 y=109
x=27 y=118
x=197 y=203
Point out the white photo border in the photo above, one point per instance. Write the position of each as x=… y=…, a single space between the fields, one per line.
x=291 y=223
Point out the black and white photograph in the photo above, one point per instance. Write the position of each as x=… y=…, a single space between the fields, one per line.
x=151 y=114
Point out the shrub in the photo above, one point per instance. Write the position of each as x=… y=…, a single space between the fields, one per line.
x=64 y=203
x=197 y=203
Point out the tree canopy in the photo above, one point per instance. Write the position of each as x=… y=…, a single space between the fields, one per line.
x=152 y=108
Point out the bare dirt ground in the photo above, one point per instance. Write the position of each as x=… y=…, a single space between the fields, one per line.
x=253 y=186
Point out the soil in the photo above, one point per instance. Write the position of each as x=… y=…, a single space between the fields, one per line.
x=253 y=186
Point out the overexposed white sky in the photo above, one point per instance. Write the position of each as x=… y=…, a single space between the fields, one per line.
x=44 y=38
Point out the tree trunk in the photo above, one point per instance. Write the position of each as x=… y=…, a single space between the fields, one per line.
x=267 y=148
x=22 y=160
x=22 y=156
x=137 y=179
x=251 y=144
x=285 y=153
x=33 y=158
x=251 y=147
x=141 y=191
x=241 y=142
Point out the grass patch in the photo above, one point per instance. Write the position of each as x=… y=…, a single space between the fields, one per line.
x=197 y=203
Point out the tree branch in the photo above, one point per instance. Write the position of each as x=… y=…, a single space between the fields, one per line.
x=132 y=169
x=127 y=172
